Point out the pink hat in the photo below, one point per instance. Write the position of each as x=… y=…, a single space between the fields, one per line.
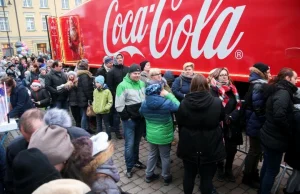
x=36 y=83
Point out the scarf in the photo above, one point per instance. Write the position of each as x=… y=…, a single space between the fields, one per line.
x=222 y=89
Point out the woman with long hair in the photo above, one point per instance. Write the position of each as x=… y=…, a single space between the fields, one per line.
x=200 y=136
x=277 y=130
x=222 y=87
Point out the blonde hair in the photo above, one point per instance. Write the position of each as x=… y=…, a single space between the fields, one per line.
x=154 y=71
x=188 y=64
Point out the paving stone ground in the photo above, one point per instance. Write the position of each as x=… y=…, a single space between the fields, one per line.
x=137 y=184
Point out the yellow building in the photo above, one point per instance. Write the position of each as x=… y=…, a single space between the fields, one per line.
x=24 y=20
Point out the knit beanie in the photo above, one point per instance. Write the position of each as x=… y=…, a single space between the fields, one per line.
x=43 y=68
x=54 y=141
x=40 y=60
x=60 y=117
x=261 y=67
x=72 y=73
x=153 y=89
x=169 y=76
x=100 y=79
x=108 y=60
x=143 y=64
x=31 y=169
x=134 y=68
x=63 y=186
x=36 y=83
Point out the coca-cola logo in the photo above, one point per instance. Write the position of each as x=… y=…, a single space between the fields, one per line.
x=139 y=28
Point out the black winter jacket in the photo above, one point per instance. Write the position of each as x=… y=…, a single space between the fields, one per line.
x=102 y=71
x=85 y=88
x=54 y=79
x=73 y=96
x=115 y=77
x=277 y=129
x=20 y=101
x=41 y=96
x=292 y=156
x=200 y=134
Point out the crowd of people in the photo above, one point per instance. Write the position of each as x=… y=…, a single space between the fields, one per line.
x=207 y=111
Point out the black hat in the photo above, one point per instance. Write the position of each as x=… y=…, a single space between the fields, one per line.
x=261 y=67
x=134 y=68
x=40 y=60
x=143 y=64
x=31 y=169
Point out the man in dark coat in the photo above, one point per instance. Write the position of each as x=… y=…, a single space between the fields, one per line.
x=107 y=65
x=55 y=84
x=114 y=78
x=31 y=121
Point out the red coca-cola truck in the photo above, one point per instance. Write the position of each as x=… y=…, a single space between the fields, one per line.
x=210 y=33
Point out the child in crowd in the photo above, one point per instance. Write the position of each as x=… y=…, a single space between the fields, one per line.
x=102 y=103
x=39 y=95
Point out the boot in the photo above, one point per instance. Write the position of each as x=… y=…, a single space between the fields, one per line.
x=229 y=176
x=248 y=179
x=220 y=174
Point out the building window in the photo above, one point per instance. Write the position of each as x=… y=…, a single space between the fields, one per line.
x=44 y=23
x=1 y=2
x=78 y=2
x=30 y=23
x=65 y=4
x=27 y=3
x=4 y=24
x=44 y=3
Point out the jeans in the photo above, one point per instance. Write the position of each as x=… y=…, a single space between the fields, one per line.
x=62 y=105
x=105 y=118
x=2 y=168
x=133 y=130
x=269 y=170
x=253 y=156
x=76 y=115
x=84 y=119
x=164 y=152
x=114 y=120
x=231 y=149
x=207 y=173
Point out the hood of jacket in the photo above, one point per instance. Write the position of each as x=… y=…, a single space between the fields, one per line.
x=169 y=76
x=256 y=74
x=199 y=100
x=81 y=72
x=154 y=101
x=102 y=163
x=281 y=85
x=115 y=60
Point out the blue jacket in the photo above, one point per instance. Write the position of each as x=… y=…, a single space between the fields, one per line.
x=159 y=123
x=20 y=101
x=255 y=116
x=181 y=86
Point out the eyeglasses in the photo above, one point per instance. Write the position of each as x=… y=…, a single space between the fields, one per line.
x=223 y=75
x=156 y=74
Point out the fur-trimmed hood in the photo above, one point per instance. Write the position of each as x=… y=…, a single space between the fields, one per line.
x=81 y=72
x=259 y=74
x=58 y=117
x=102 y=164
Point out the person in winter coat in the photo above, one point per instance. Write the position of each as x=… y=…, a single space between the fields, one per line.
x=42 y=76
x=102 y=103
x=93 y=157
x=277 y=130
x=55 y=84
x=32 y=169
x=255 y=118
x=223 y=88
x=71 y=86
x=169 y=76
x=200 y=143
x=145 y=75
x=34 y=75
x=39 y=95
x=293 y=151
x=41 y=62
x=19 y=98
x=181 y=85
x=129 y=97
x=105 y=68
x=10 y=71
x=85 y=90
x=114 y=78
x=157 y=110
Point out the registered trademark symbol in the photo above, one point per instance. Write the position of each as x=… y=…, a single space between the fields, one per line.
x=239 y=54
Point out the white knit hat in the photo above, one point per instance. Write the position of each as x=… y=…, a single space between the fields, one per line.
x=100 y=142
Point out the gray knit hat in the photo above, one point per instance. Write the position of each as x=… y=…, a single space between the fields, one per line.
x=54 y=141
